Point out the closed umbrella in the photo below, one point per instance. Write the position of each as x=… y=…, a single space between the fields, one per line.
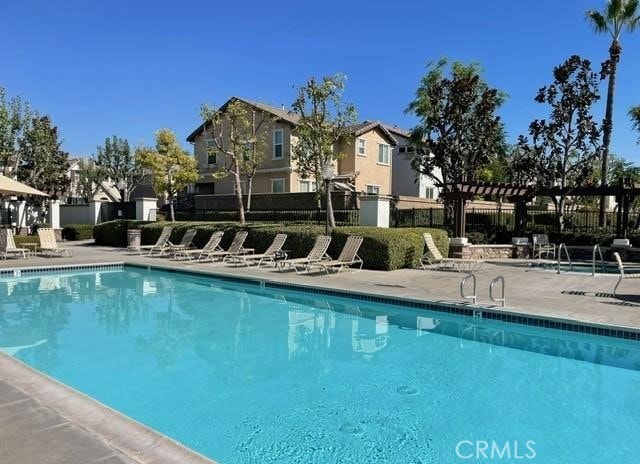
x=9 y=186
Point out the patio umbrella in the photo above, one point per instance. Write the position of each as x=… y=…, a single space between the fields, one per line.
x=9 y=186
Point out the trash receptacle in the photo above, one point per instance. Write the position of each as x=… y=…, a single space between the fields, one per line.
x=133 y=237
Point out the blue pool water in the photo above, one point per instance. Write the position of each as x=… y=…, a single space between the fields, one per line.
x=250 y=375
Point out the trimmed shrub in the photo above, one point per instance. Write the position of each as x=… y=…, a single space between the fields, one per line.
x=114 y=233
x=77 y=232
x=22 y=239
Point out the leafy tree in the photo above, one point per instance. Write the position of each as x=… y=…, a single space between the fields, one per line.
x=89 y=177
x=458 y=131
x=44 y=165
x=117 y=163
x=171 y=167
x=15 y=116
x=236 y=133
x=324 y=120
x=634 y=114
x=616 y=16
x=565 y=145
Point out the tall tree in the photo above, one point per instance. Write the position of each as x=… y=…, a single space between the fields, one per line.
x=117 y=163
x=458 y=131
x=89 y=177
x=15 y=116
x=564 y=146
x=237 y=134
x=171 y=167
x=324 y=120
x=44 y=165
x=616 y=16
x=634 y=114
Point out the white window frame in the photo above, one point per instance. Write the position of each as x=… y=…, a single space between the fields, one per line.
x=278 y=179
x=364 y=147
x=312 y=186
x=429 y=193
x=377 y=187
x=281 y=132
x=209 y=144
x=388 y=162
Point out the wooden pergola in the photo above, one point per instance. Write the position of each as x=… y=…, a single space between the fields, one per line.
x=462 y=192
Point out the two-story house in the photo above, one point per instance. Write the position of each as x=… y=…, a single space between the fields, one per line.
x=366 y=166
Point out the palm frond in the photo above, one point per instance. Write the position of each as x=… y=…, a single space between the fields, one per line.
x=598 y=21
x=614 y=9
x=634 y=114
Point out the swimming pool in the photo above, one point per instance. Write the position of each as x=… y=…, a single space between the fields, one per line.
x=243 y=373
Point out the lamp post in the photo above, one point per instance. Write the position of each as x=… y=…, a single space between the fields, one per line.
x=328 y=174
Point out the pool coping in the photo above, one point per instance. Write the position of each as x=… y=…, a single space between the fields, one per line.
x=114 y=429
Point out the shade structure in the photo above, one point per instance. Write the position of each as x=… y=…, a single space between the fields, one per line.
x=9 y=186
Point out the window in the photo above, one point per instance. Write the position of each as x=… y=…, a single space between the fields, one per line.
x=383 y=153
x=277 y=185
x=402 y=149
x=243 y=187
x=373 y=189
x=429 y=193
x=212 y=157
x=278 y=146
x=362 y=147
x=307 y=186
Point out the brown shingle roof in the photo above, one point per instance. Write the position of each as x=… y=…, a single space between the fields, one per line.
x=366 y=126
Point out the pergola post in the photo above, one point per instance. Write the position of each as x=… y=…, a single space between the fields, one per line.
x=459 y=217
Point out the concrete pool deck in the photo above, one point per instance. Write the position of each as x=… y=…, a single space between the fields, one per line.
x=45 y=422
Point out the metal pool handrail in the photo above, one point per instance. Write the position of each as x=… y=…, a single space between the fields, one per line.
x=593 y=260
x=502 y=299
x=473 y=297
x=566 y=253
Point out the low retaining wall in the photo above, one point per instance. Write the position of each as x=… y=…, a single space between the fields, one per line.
x=577 y=253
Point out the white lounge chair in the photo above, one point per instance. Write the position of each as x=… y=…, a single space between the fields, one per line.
x=161 y=244
x=235 y=250
x=186 y=243
x=269 y=254
x=541 y=246
x=49 y=244
x=623 y=275
x=203 y=253
x=432 y=257
x=348 y=256
x=317 y=253
x=8 y=245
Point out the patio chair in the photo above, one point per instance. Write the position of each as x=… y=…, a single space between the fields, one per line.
x=623 y=275
x=541 y=246
x=318 y=253
x=8 y=245
x=186 y=243
x=163 y=242
x=269 y=254
x=432 y=257
x=200 y=254
x=235 y=250
x=348 y=256
x=49 y=244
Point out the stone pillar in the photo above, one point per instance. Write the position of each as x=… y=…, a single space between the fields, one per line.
x=146 y=209
x=374 y=210
x=54 y=214
x=94 y=212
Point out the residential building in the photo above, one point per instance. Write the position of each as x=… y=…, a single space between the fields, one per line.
x=366 y=167
x=407 y=181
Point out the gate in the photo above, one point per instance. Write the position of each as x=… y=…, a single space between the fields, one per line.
x=117 y=210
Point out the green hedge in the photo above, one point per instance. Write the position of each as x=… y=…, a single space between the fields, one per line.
x=22 y=239
x=77 y=232
x=383 y=249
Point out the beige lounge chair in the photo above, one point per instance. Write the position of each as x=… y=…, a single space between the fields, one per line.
x=162 y=243
x=8 y=245
x=317 y=253
x=434 y=258
x=623 y=276
x=268 y=255
x=186 y=243
x=203 y=253
x=49 y=244
x=541 y=246
x=348 y=256
x=235 y=250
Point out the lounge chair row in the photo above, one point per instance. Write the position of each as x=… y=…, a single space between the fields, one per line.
x=238 y=253
x=48 y=244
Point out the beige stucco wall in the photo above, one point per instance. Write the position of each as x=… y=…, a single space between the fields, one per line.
x=370 y=171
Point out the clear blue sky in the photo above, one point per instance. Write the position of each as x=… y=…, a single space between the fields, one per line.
x=130 y=67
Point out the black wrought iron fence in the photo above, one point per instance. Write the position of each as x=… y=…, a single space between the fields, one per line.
x=343 y=217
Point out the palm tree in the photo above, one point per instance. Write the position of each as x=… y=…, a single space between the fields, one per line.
x=634 y=114
x=617 y=16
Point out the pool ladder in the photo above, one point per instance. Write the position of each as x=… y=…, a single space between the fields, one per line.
x=566 y=253
x=474 y=297
x=596 y=247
